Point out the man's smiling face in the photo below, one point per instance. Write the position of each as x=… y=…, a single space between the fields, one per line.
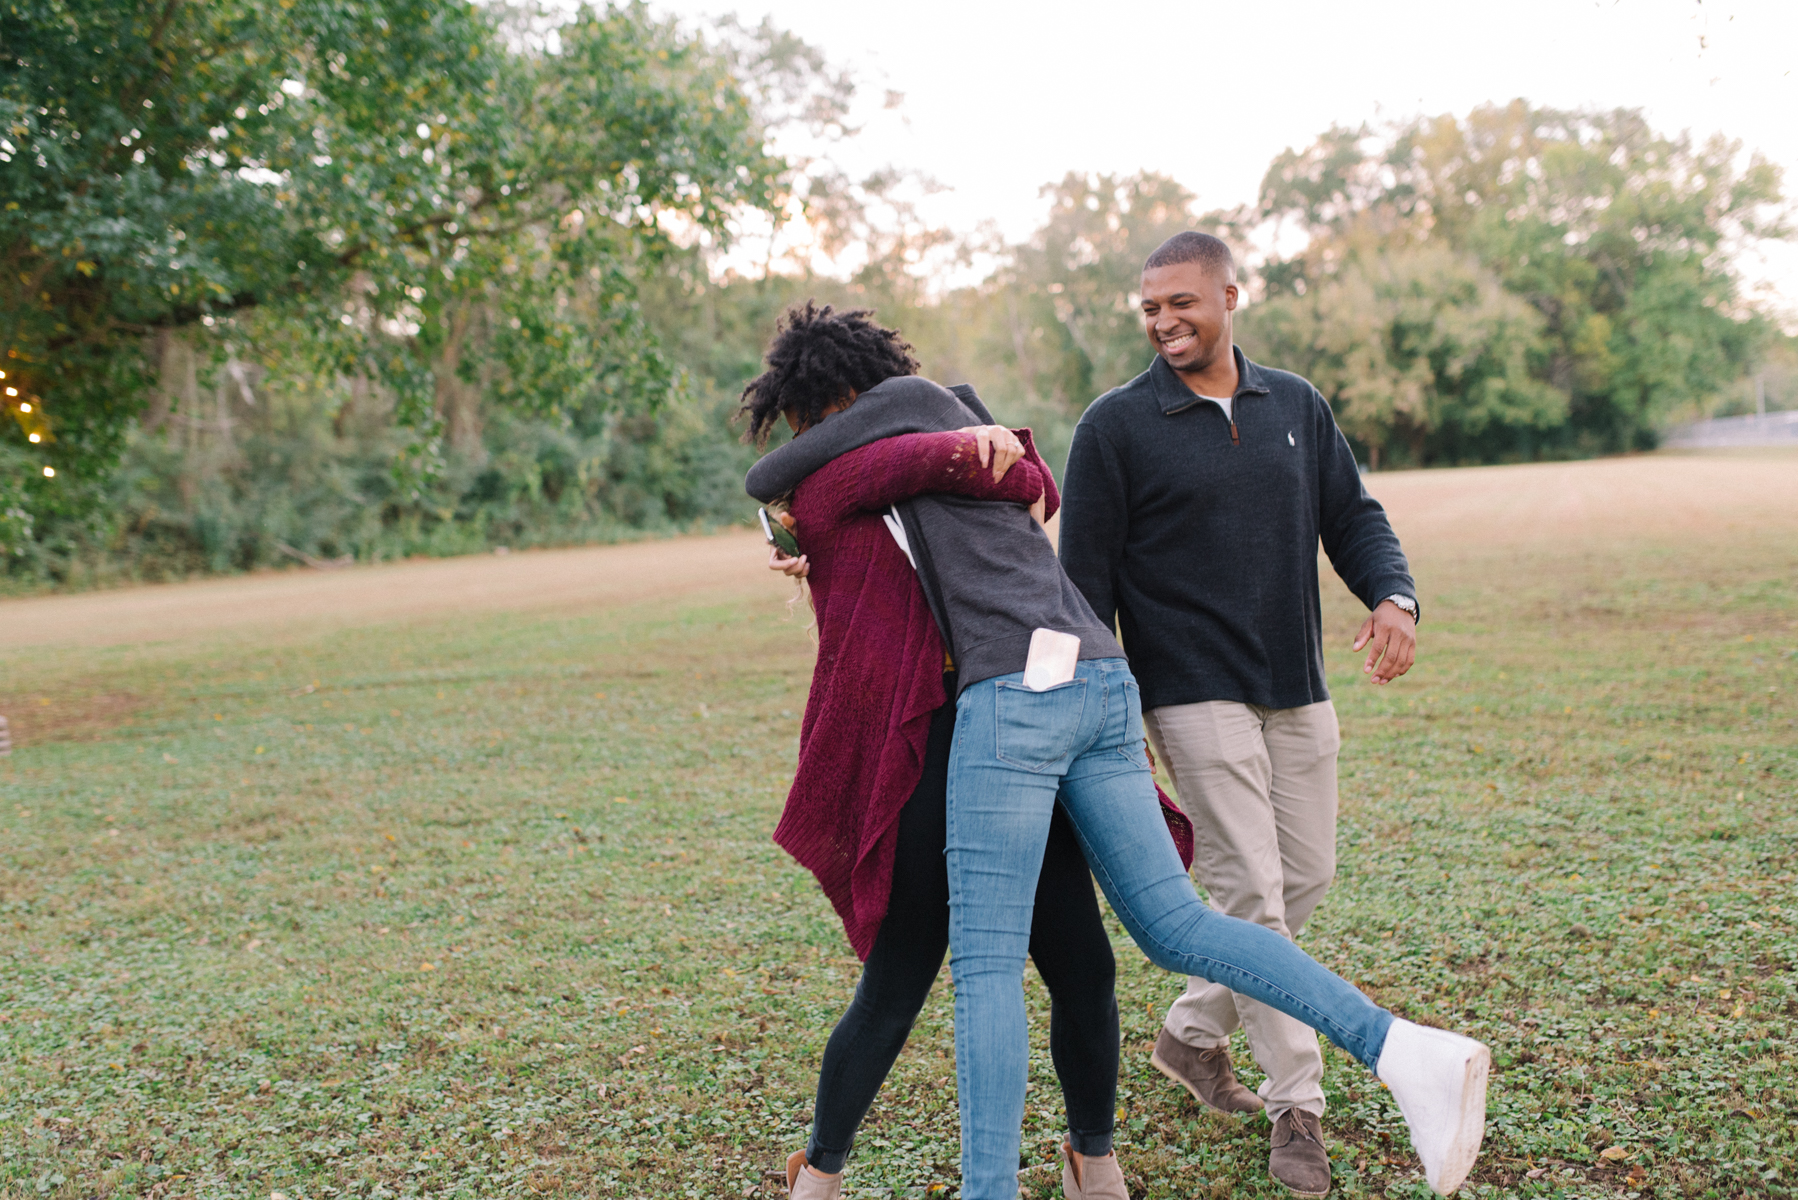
x=1186 y=313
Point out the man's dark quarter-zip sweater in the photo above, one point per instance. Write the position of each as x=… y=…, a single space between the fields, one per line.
x=1197 y=534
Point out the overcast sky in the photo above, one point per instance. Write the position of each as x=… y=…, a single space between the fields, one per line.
x=1002 y=98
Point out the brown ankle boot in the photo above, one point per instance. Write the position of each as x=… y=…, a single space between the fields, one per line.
x=1207 y=1074
x=1298 y=1160
x=803 y=1183
x=1088 y=1178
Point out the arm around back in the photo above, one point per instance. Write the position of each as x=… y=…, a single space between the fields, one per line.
x=892 y=469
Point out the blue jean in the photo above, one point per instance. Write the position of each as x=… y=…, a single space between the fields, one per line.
x=1017 y=751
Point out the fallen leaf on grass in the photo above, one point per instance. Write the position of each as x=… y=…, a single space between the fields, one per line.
x=1613 y=1153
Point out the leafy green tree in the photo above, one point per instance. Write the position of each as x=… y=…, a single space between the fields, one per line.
x=393 y=177
x=1615 y=234
x=1418 y=349
x=1065 y=304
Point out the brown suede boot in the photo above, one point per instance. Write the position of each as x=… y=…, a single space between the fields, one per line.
x=803 y=1183
x=1207 y=1074
x=1298 y=1159
x=1088 y=1178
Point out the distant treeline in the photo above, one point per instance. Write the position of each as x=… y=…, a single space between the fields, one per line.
x=378 y=282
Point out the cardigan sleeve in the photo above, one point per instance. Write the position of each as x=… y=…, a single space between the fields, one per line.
x=1051 y=494
x=892 y=469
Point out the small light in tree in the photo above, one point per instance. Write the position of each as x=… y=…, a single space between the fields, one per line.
x=49 y=472
x=12 y=391
x=34 y=438
x=25 y=408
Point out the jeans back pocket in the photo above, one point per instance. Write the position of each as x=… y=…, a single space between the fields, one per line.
x=1036 y=730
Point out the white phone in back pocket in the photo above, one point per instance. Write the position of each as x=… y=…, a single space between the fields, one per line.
x=1052 y=659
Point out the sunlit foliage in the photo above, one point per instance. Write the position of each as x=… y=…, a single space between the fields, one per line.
x=400 y=179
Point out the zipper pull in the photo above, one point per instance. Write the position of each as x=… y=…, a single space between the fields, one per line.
x=1234 y=440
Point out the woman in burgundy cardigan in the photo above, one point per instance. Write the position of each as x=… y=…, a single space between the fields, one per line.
x=866 y=810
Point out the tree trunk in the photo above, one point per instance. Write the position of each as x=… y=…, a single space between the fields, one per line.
x=458 y=401
x=177 y=380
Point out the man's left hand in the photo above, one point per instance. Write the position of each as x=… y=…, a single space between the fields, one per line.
x=1391 y=637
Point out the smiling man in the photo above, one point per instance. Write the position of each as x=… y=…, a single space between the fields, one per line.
x=1196 y=497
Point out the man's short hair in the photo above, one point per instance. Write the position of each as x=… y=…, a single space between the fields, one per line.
x=1189 y=247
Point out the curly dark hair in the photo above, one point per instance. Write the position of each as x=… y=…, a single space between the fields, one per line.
x=818 y=357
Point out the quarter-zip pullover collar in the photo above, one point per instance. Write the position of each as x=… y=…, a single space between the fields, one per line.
x=1174 y=396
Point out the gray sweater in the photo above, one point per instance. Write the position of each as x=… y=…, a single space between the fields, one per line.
x=987 y=568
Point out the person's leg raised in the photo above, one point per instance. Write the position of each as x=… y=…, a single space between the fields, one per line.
x=1438 y=1078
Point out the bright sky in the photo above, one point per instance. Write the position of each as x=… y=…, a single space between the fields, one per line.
x=1000 y=99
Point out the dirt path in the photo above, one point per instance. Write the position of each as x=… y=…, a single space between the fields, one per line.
x=294 y=601
x=1660 y=496
x=1657 y=497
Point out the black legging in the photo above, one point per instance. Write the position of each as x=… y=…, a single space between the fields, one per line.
x=1067 y=941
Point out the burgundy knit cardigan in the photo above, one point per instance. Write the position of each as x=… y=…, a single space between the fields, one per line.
x=879 y=673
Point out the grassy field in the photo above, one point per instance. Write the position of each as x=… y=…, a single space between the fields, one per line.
x=455 y=880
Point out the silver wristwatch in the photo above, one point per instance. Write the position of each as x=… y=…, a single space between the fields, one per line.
x=1407 y=603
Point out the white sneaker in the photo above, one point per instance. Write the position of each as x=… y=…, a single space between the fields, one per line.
x=1439 y=1081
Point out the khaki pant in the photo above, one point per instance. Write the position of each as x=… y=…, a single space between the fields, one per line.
x=1260 y=787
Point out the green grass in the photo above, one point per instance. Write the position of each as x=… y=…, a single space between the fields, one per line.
x=487 y=907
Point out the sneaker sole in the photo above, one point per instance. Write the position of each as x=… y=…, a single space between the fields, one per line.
x=1458 y=1163
x=1160 y=1064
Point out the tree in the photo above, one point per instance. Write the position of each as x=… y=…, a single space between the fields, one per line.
x=1618 y=236
x=394 y=176
x=1417 y=348
x=1066 y=301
